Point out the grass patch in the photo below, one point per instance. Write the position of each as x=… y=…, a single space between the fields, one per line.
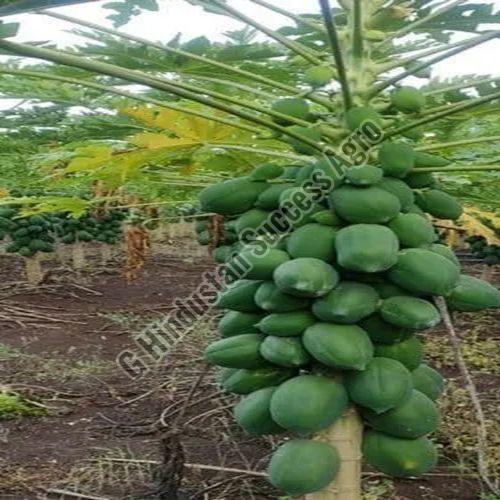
x=13 y=406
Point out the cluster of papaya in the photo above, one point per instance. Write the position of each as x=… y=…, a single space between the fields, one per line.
x=323 y=309
x=481 y=249
x=39 y=233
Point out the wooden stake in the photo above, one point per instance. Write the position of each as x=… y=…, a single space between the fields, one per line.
x=78 y=255
x=34 y=273
x=346 y=436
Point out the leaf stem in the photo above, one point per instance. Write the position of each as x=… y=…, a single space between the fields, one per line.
x=459 y=168
x=268 y=152
x=462 y=85
x=337 y=52
x=465 y=142
x=357 y=36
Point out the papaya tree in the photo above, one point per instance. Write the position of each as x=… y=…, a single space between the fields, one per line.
x=331 y=259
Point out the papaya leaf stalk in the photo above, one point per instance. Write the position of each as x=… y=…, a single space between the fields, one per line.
x=357 y=36
x=453 y=144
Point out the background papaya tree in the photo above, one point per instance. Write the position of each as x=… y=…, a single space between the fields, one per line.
x=341 y=62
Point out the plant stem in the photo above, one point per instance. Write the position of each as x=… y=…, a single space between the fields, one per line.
x=298 y=19
x=138 y=77
x=112 y=90
x=425 y=64
x=443 y=114
x=410 y=27
x=357 y=36
x=337 y=52
x=460 y=86
x=459 y=168
x=295 y=47
x=268 y=152
x=211 y=62
x=444 y=145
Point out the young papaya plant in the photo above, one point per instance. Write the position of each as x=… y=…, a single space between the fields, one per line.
x=320 y=332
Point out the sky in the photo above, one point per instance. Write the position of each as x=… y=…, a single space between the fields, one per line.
x=178 y=16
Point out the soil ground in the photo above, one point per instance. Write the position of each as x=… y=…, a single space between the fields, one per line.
x=98 y=434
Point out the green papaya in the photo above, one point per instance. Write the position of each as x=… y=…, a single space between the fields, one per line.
x=367 y=248
x=252 y=219
x=309 y=134
x=270 y=198
x=231 y=197
x=319 y=76
x=424 y=272
x=251 y=265
x=239 y=296
x=356 y=116
x=445 y=251
x=288 y=324
x=439 y=204
x=238 y=351
x=415 y=417
x=294 y=107
x=284 y=351
x=408 y=99
x=201 y=225
x=306 y=277
x=410 y=312
x=347 y=303
x=430 y=160
x=312 y=240
x=427 y=380
x=370 y=205
x=413 y=230
x=308 y=403
x=399 y=457
x=270 y=298
x=302 y=466
x=222 y=254
x=290 y=172
x=345 y=347
x=409 y=352
x=384 y=384
x=364 y=175
x=253 y=413
x=247 y=381
x=327 y=218
x=237 y=323
x=26 y=252
x=418 y=180
x=266 y=171
x=396 y=159
x=386 y=290
x=400 y=190
x=382 y=332
x=204 y=238
x=473 y=294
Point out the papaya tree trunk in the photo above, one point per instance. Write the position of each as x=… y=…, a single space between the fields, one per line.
x=346 y=436
x=78 y=255
x=34 y=272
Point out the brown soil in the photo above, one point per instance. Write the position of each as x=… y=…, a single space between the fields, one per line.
x=100 y=435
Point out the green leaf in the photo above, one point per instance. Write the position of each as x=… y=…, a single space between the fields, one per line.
x=8 y=30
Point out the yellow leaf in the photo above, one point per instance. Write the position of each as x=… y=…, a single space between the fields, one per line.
x=89 y=158
x=143 y=114
x=4 y=193
x=155 y=141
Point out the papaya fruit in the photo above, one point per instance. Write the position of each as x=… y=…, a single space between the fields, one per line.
x=409 y=352
x=382 y=332
x=238 y=351
x=364 y=175
x=445 y=251
x=270 y=298
x=294 y=107
x=204 y=238
x=367 y=248
x=239 y=296
x=427 y=380
x=400 y=190
x=318 y=76
x=312 y=240
x=344 y=347
x=386 y=290
x=399 y=457
x=266 y=171
x=424 y=272
x=429 y=160
x=288 y=324
x=248 y=264
x=370 y=205
x=327 y=218
x=284 y=351
x=222 y=254
x=306 y=277
x=252 y=219
x=270 y=198
x=347 y=303
x=384 y=384
x=414 y=418
x=308 y=403
x=231 y=197
x=245 y=381
x=356 y=116
x=473 y=294
x=290 y=172
x=419 y=180
x=26 y=252
x=253 y=413
x=237 y=323
x=439 y=204
x=413 y=230
x=410 y=312
x=310 y=134
x=396 y=159
x=302 y=466
x=408 y=99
